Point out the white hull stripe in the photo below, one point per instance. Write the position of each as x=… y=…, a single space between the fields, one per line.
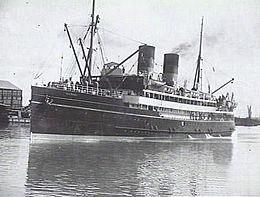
x=122 y=113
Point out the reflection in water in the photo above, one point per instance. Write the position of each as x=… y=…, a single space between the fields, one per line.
x=111 y=167
x=14 y=151
x=128 y=168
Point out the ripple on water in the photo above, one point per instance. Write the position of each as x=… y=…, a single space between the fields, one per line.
x=129 y=167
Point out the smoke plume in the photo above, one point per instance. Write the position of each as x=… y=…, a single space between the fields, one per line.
x=188 y=49
x=185 y=49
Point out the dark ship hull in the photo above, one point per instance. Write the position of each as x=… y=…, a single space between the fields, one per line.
x=249 y=122
x=116 y=103
x=74 y=113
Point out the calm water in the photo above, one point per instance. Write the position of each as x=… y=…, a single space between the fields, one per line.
x=114 y=167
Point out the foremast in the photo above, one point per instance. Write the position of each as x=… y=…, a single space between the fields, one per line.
x=91 y=36
x=88 y=59
x=198 y=70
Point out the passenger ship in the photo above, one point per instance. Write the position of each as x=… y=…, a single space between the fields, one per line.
x=118 y=104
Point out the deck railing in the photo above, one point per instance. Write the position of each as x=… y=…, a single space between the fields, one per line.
x=87 y=89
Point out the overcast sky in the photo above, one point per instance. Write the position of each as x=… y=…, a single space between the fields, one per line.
x=33 y=41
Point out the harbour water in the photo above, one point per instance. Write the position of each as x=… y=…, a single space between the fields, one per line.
x=129 y=167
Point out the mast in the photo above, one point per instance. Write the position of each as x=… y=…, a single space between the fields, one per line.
x=90 y=51
x=88 y=59
x=91 y=35
x=249 y=109
x=197 y=73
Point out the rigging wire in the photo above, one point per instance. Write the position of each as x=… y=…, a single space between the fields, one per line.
x=86 y=34
x=42 y=68
x=212 y=68
x=122 y=36
x=205 y=72
x=62 y=55
x=102 y=50
x=95 y=60
x=77 y=25
x=190 y=76
x=71 y=69
x=217 y=71
x=206 y=77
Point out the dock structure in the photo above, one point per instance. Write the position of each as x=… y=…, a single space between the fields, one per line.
x=11 y=96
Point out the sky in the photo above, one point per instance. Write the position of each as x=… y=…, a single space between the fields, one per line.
x=34 y=44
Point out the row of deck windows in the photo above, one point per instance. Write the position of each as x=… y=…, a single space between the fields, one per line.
x=184 y=113
x=178 y=100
